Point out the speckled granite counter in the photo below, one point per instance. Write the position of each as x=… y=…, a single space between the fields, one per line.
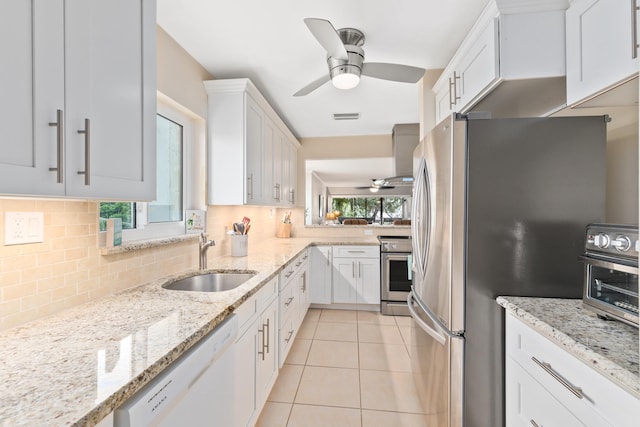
x=76 y=367
x=609 y=347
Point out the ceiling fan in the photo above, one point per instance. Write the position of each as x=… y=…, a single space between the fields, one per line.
x=345 y=58
x=377 y=184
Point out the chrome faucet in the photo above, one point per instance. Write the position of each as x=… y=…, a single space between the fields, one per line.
x=204 y=246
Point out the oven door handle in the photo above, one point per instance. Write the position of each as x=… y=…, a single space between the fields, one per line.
x=409 y=267
x=609 y=265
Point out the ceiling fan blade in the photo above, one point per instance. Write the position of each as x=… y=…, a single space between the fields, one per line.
x=393 y=72
x=312 y=86
x=328 y=37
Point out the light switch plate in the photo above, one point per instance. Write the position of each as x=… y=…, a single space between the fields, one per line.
x=23 y=227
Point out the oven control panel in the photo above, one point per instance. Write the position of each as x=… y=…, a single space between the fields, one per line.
x=618 y=241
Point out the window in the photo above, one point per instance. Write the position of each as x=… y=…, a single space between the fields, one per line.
x=373 y=209
x=165 y=215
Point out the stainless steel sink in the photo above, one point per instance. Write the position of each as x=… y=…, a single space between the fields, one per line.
x=210 y=282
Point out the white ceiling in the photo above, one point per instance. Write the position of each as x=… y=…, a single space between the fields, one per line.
x=268 y=42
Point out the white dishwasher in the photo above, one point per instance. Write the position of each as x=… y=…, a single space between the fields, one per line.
x=196 y=390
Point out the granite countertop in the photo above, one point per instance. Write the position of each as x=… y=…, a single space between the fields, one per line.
x=609 y=347
x=75 y=367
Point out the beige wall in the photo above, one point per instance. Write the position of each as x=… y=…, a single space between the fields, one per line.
x=180 y=77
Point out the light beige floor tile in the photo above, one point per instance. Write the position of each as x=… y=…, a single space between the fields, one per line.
x=395 y=419
x=330 y=331
x=382 y=334
x=389 y=391
x=274 y=414
x=404 y=321
x=384 y=357
x=299 y=352
x=313 y=314
x=329 y=387
x=407 y=335
x=286 y=386
x=337 y=354
x=375 y=317
x=307 y=330
x=323 y=416
x=342 y=316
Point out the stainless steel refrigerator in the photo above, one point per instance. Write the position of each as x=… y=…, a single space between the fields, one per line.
x=499 y=208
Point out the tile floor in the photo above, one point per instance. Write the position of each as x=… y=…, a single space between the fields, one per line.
x=346 y=368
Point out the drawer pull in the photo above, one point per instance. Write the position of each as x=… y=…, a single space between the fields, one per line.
x=288 y=338
x=265 y=341
x=288 y=301
x=356 y=252
x=59 y=123
x=533 y=423
x=577 y=391
x=288 y=274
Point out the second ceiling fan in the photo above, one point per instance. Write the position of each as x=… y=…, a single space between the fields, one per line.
x=345 y=58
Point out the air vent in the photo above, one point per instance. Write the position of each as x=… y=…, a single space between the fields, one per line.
x=346 y=116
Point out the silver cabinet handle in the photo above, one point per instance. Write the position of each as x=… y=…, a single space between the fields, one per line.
x=303 y=287
x=577 y=391
x=353 y=269
x=355 y=252
x=288 y=338
x=87 y=152
x=288 y=274
x=250 y=189
x=277 y=192
x=634 y=29
x=59 y=123
x=533 y=423
x=288 y=301
x=265 y=341
x=292 y=196
x=451 y=86
x=456 y=98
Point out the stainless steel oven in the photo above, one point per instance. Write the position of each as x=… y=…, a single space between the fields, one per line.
x=611 y=271
x=395 y=274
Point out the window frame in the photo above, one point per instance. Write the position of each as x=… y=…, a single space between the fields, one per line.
x=144 y=229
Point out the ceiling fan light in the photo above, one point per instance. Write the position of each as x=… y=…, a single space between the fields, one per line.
x=345 y=80
x=374 y=189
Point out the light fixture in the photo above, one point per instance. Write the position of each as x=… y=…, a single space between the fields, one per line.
x=345 y=80
x=374 y=189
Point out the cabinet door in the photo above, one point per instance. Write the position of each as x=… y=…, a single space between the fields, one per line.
x=368 y=271
x=320 y=274
x=290 y=172
x=110 y=83
x=267 y=354
x=600 y=50
x=254 y=143
x=479 y=67
x=345 y=287
x=32 y=88
x=269 y=152
x=245 y=349
x=444 y=101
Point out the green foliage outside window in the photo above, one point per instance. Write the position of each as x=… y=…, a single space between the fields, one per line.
x=369 y=207
x=123 y=210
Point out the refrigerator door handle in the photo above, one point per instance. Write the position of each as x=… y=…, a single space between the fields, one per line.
x=436 y=335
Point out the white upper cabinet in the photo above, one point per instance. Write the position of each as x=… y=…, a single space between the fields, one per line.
x=247 y=144
x=71 y=68
x=601 y=46
x=512 y=43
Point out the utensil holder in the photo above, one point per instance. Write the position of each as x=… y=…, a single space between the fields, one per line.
x=239 y=244
x=284 y=230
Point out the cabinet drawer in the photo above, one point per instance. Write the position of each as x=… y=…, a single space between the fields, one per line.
x=558 y=372
x=287 y=334
x=527 y=402
x=267 y=293
x=356 y=251
x=256 y=303
x=288 y=302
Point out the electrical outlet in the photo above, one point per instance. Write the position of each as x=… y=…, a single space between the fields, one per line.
x=23 y=227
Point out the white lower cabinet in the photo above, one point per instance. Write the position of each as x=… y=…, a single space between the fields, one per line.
x=320 y=276
x=294 y=302
x=547 y=386
x=256 y=354
x=356 y=275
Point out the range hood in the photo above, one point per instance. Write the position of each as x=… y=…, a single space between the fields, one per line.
x=404 y=139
